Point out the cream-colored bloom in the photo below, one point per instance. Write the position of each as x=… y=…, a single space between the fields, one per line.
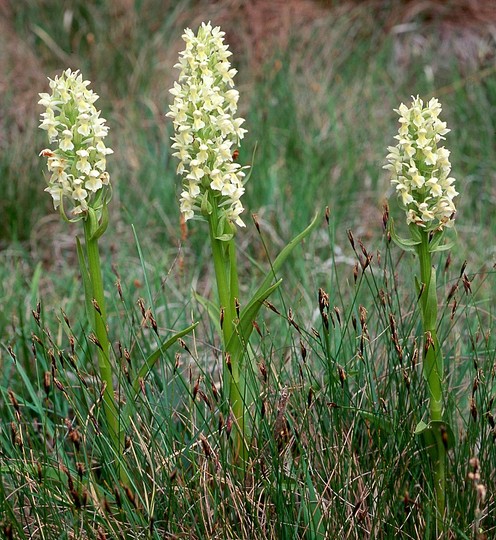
x=420 y=168
x=206 y=130
x=66 y=143
x=83 y=164
x=77 y=164
x=94 y=181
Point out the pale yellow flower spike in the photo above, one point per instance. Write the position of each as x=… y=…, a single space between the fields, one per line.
x=206 y=130
x=420 y=170
x=78 y=164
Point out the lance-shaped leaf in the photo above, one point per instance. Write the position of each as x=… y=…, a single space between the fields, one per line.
x=98 y=228
x=212 y=310
x=244 y=328
x=435 y=243
x=152 y=358
x=407 y=244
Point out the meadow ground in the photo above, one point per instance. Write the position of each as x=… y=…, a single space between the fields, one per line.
x=333 y=451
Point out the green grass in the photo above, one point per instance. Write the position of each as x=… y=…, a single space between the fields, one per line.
x=333 y=452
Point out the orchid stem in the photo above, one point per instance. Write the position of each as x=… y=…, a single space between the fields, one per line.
x=224 y=258
x=433 y=373
x=98 y=318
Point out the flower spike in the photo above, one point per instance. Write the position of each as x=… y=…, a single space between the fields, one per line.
x=420 y=170
x=206 y=130
x=78 y=164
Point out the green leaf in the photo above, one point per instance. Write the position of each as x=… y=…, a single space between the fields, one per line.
x=378 y=420
x=435 y=243
x=407 y=244
x=285 y=252
x=224 y=237
x=205 y=206
x=92 y=222
x=244 y=328
x=429 y=434
x=444 y=247
x=427 y=438
x=417 y=285
x=102 y=227
x=224 y=231
x=416 y=232
x=220 y=228
x=421 y=427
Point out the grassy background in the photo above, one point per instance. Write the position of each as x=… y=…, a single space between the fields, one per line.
x=318 y=82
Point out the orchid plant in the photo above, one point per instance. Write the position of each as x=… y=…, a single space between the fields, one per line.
x=420 y=171
x=81 y=190
x=207 y=135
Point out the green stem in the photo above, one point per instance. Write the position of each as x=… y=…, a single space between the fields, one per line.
x=98 y=320
x=433 y=373
x=237 y=388
x=221 y=267
x=224 y=257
